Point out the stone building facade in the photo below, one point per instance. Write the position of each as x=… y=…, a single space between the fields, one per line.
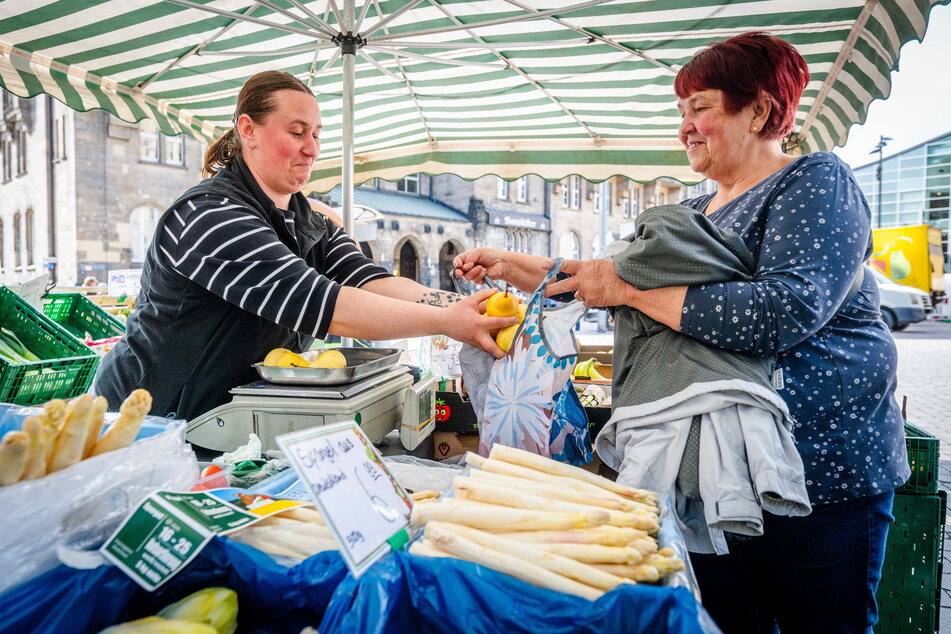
x=86 y=195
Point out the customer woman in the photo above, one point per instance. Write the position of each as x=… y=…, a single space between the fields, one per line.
x=241 y=264
x=808 y=226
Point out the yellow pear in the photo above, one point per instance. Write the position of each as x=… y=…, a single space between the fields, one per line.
x=284 y=358
x=506 y=336
x=502 y=304
x=330 y=359
x=522 y=310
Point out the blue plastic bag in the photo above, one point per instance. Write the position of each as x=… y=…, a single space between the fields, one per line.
x=405 y=593
x=570 y=439
x=271 y=597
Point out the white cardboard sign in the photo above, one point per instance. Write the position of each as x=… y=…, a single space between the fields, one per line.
x=364 y=506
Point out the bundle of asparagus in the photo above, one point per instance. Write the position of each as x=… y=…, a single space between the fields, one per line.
x=65 y=433
x=299 y=532
x=547 y=523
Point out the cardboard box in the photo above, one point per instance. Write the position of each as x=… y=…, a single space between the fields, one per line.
x=455 y=414
x=449 y=444
x=604 y=354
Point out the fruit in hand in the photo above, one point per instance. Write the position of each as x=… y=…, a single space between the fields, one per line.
x=522 y=310
x=330 y=359
x=284 y=358
x=502 y=304
x=506 y=336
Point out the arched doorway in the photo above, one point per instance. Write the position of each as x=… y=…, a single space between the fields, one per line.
x=407 y=262
x=447 y=253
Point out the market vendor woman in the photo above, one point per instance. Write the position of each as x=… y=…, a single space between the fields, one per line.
x=240 y=265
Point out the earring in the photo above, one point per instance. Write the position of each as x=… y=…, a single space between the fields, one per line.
x=754 y=129
x=251 y=144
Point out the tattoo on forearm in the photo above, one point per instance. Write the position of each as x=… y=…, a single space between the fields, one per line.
x=439 y=298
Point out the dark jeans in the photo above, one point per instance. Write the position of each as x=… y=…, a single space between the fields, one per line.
x=810 y=574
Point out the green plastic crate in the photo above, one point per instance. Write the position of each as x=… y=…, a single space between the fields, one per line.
x=923 y=459
x=909 y=595
x=67 y=365
x=79 y=315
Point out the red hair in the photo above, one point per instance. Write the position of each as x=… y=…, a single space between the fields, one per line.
x=744 y=67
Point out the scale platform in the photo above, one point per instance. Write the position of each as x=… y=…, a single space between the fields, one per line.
x=377 y=403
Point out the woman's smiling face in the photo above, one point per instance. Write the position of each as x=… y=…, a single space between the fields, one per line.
x=715 y=139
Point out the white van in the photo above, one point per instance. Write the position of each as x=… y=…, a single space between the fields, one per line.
x=901 y=304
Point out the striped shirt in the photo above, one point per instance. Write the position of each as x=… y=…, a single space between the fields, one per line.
x=244 y=260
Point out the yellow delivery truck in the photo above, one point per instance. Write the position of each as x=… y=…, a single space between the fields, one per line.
x=911 y=255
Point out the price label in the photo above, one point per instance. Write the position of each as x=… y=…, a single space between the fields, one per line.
x=33 y=290
x=169 y=529
x=126 y=282
x=364 y=506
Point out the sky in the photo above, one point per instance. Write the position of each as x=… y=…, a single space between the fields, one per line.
x=919 y=106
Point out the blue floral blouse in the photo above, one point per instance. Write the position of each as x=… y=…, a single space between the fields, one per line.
x=809 y=227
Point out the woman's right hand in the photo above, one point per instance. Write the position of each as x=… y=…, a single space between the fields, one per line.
x=464 y=321
x=475 y=264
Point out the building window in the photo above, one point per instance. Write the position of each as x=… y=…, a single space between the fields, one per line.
x=565 y=193
x=30 y=238
x=575 y=191
x=174 y=150
x=21 y=152
x=62 y=137
x=410 y=184
x=503 y=189
x=142 y=223
x=625 y=207
x=518 y=241
x=635 y=202
x=17 y=236
x=570 y=246
x=148 y=142
x=521 y=189
x=6 y=150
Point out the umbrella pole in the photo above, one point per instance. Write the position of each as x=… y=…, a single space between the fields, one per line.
x=348 y=55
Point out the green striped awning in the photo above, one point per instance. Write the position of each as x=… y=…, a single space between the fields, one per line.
x=471 y=87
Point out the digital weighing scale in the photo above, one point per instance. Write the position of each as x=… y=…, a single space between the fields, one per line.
x=379 y=403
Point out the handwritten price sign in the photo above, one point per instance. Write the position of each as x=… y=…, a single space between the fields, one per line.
x=364 y=506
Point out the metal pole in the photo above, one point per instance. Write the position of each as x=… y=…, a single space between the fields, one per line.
x=603 y=202
x=878 y=200
x=349 y=51
x=348 y=55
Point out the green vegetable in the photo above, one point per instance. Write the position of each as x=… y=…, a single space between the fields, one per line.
x=217 y=607
x=13 y=349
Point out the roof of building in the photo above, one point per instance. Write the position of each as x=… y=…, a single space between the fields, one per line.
x=940 y=137
x=400 y=204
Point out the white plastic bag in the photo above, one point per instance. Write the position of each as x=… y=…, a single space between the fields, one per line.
x=85 y=503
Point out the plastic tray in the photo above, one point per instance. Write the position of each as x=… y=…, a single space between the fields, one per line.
x=79 y=315
x=909 y=595
x=67 y=365
x=923 y=459
x=361 y=362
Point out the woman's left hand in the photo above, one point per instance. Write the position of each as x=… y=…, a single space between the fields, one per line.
x=594 y=283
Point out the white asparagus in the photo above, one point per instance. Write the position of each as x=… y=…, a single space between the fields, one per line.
x=123 y=431
x=424 y=496
x=287 y=540
x=595 y=553
x=474 y=459
x=305 y=528
x=488 y=492
x=39 y=439
x=507 y=564
x=303 y=514
x=52 y=420
x=492 y=517
x=425 y=548
x=71 y=440
x=518 y=471
x=563 y=566
x=541 y=463
x=639 y=572
x=604 y=535
x=96 y=417
x=666 y=565
x=564 y=494
x=14 y=452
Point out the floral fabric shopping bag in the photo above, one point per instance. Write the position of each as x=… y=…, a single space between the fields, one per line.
x=524 y=386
